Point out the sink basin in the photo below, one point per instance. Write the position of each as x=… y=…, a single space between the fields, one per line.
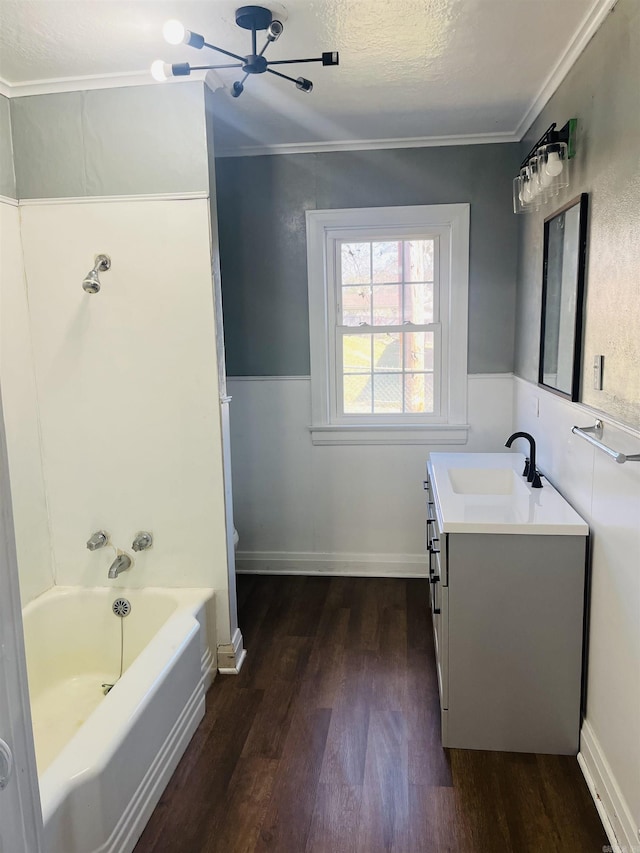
x=484 y=481
x=486 y=493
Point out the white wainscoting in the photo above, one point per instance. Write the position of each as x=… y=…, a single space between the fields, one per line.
x=607 y=495
x=301 y=508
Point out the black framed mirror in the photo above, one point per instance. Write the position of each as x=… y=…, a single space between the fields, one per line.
x=563 y=283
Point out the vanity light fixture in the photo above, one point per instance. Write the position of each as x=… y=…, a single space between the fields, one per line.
x=545 y=169
x=254 y=18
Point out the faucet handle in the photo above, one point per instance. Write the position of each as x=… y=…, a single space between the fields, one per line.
x=142 y=541
x=527 y=462
x=536 y=482
x=97 y=540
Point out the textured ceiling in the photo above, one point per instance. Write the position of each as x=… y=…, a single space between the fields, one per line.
x=408 y=68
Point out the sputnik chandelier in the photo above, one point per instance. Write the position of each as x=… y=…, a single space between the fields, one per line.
x=545 y=169
x=254 y=18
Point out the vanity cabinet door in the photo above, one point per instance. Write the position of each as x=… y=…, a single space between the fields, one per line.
x=438 y=597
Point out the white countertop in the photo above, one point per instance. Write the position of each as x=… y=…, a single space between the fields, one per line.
x=514 y=507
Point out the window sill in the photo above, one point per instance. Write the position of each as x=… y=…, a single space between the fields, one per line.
x=389 y=434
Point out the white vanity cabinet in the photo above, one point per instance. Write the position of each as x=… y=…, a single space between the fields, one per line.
x=507 y=590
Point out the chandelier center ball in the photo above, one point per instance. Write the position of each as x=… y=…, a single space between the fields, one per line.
x=253 y=17
x=254 y=64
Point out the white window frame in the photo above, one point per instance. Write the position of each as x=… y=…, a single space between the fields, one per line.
x=449 y=223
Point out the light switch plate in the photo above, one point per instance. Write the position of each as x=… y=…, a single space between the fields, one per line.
x=598 y=366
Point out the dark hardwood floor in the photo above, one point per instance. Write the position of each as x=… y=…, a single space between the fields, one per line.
x=329 y=742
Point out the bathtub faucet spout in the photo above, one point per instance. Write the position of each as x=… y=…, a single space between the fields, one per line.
x=121 y=563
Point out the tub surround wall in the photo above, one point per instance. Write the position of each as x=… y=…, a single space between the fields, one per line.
x=130 y=426
x=601 y=91
x=126 y=141
x=7 y=171
x=21 y=415
x=131 y=423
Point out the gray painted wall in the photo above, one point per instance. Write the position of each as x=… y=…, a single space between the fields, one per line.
x=7 y=173
x=126 y=141
x=261 y=208
x=601 y=91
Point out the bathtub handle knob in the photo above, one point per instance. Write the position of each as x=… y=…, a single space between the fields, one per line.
x=142 y=541
x=98 y=540
x=6 y=764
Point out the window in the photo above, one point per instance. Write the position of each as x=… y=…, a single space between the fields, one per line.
x=388 y=324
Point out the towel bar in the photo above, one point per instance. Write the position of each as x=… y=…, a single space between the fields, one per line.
x=594 y=433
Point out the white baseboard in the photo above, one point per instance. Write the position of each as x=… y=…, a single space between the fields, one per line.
x=132 y=822
x=613 y=810
x=232 y=655
x=316 y=563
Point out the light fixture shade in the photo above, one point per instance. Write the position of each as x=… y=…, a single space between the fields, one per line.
x=554 y=166
x=537 y=189
x=545 y=170
x=518 y=202
x=304 y=85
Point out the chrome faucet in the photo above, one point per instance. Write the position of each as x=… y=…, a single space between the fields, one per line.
x=97 y=540
x=121 y=563
x=530 y=470
x=142 y=541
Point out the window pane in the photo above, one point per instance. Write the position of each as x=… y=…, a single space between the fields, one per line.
x=418 y=303
x=387 y=352
x=387 y=393
x=418 y=259
x=387 y=304
x=418 y=392
x=356 y=305
x=387 y=261
x=356 y=353
x=356 y=263
x=418 y=351
x=357 y=394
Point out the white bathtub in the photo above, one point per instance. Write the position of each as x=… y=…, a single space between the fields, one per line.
x=103 y=761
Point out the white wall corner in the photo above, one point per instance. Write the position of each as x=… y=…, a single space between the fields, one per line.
x=612 y=807
x=232 y=655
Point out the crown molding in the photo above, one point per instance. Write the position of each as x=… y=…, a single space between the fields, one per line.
x=99 y=81
x=593 y=19
x=367 y=144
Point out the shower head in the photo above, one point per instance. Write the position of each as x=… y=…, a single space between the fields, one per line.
x=91 y=281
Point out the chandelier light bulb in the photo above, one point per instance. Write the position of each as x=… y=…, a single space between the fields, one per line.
x=160 y=70
x=553 y=166
x=174 y=32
